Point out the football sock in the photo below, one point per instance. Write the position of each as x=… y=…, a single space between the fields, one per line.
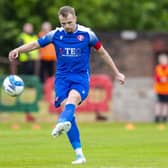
x=68 y=113
x=73 y=135
x=79 y=152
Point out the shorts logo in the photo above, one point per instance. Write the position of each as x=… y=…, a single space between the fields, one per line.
x=80 y=37
x=61 y=37
x=56 y=99
x=83 y=92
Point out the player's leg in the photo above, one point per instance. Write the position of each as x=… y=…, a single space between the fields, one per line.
x=50 y=66
x=73 y=134
x=157 y=112
x=161 y=108
x=78 y=92
x=74 y=98
x=61 y=89
x=74 y=138
x=42 y=71
x=72 y=102
x=65 y=118
x=164 y=112
x=158 y=108
x=164 y=107
x=76 y=95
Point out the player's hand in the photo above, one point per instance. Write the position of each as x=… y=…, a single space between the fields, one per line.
x=13 y=55
x=121 y=78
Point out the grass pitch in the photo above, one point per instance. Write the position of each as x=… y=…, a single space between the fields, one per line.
x=106 y=145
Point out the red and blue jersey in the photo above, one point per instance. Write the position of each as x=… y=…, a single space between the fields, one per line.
x=72 y=49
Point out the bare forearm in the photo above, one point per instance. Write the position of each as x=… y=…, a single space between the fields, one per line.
x=28 y=47
x=22 y=49
x=106 y=57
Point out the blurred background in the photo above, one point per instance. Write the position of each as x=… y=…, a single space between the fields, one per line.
x=134 y=33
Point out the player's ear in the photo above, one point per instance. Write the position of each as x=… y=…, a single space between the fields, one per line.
x=75 y=17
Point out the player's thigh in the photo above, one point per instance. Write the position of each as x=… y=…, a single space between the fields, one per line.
x=74 y=97
x=82 y=89
x=61 y=91
x=80 y=83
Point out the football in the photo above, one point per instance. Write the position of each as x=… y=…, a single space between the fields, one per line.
x=13 y=85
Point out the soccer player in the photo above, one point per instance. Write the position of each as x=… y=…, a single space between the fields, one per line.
x=161 y=88
x=72 y=43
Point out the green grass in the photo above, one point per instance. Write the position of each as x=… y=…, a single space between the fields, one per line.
x=106 y=145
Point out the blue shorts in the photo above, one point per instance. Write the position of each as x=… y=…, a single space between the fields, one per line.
x=64 y=84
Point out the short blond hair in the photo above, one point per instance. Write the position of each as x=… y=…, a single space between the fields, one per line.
x=65 y=10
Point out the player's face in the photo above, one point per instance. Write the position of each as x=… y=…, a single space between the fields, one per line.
x=68 y=23
x=163 y=59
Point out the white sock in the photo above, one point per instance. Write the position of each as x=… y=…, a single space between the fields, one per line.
x=79 y=152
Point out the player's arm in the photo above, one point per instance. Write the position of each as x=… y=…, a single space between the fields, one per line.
x=94 y=41
x=107 y=58
x=22 y=49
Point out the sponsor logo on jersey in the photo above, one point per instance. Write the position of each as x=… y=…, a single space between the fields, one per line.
x=70 y=52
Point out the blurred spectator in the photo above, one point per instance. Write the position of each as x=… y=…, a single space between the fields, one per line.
x=47 y=55
x=161 y=88
x=28 y=60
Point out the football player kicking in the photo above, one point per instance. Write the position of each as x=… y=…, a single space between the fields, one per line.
x=72 y=44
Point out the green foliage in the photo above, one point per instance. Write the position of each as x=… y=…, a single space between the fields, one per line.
x=101 y=15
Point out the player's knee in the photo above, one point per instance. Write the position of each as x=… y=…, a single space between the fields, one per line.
x=74 y=97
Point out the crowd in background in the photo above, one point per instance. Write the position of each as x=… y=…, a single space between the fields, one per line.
x=38 y=62
x=42 y=63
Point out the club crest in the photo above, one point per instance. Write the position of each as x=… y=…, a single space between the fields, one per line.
x=80 y=37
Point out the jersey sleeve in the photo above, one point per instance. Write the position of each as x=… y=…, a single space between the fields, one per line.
x=94 y=41
x=46 y=39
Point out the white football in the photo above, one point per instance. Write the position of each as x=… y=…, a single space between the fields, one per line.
x=13 y=85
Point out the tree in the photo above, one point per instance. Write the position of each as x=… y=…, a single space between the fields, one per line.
x=100 y=15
